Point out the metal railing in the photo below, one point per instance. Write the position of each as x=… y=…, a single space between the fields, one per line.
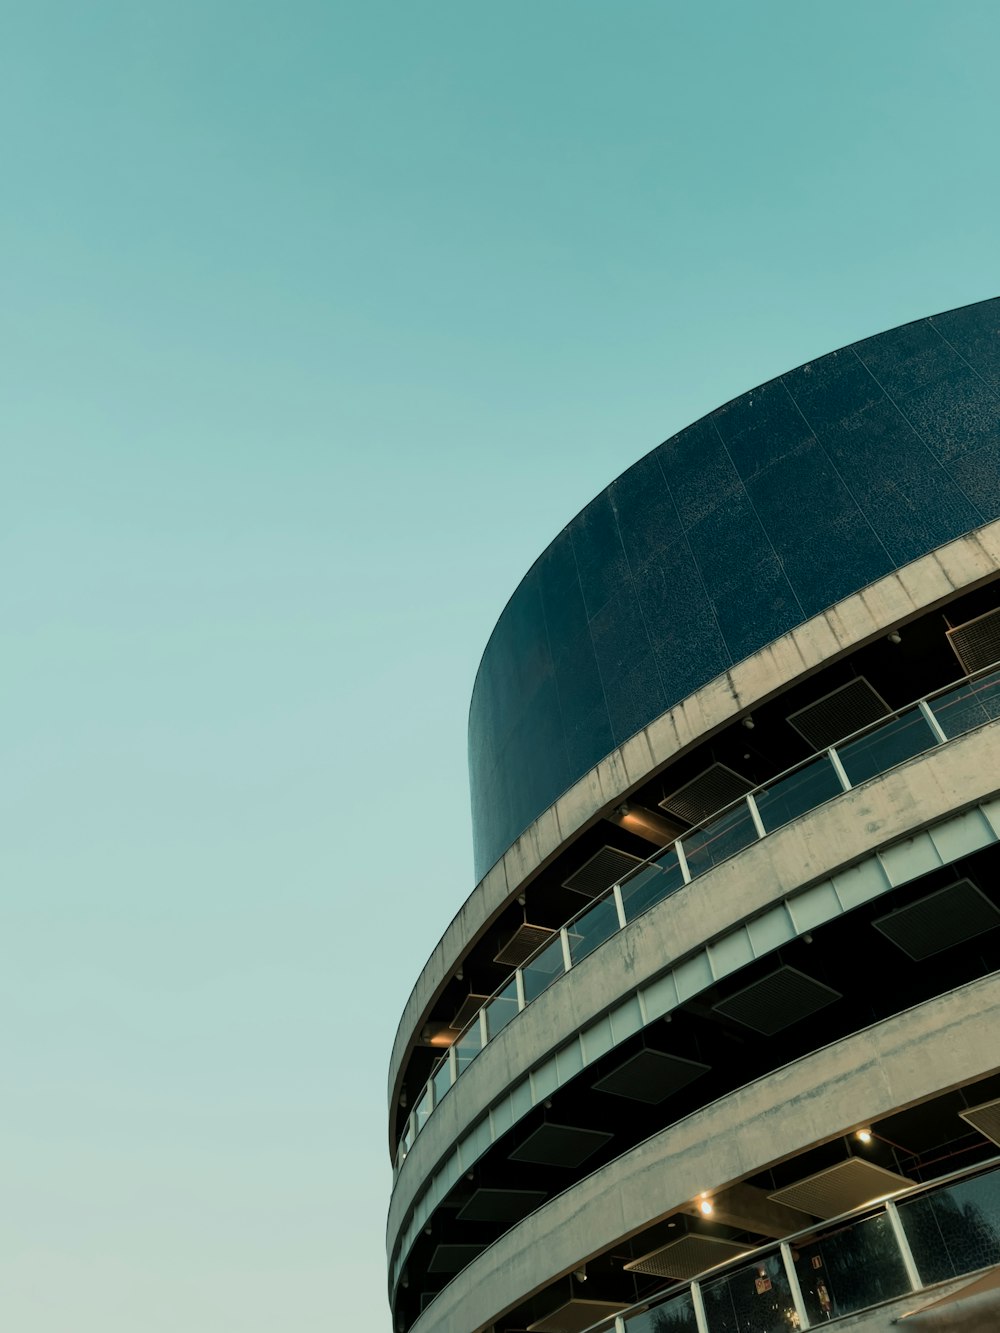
x=884 y=1250
x=931 y=721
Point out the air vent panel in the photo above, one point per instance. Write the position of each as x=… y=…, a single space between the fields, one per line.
x=976 y=644
x=606 y=867
x=839 y=1189
x=985 y=1118
x=467 y=1011
x=840 y=713
x=559 y=1145
x=650 y=1077
x=453 y=1258
x=687 y=1257
x=952 y=915
x=576 y=1315
x=522 y=944
x=777 y=1001
x=709 y=791
x=496 y=1205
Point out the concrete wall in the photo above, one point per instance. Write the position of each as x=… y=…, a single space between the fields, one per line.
x=892 y=601
x=918 y=794
x=945 y=1043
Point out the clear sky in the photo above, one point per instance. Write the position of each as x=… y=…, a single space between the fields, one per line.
x=317 y=322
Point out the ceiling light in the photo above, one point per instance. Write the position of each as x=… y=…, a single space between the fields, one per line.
x=864 y=1136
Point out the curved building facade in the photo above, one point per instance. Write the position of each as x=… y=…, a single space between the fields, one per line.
x=712 y=1044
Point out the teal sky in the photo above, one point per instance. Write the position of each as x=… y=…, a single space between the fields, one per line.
x=317 y=322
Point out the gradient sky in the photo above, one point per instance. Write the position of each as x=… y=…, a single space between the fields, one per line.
x=317 y=322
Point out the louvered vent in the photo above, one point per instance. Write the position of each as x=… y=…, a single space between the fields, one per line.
x=606 y=867
x=839 y=714
x=468 y=1009
x=850 y=1184
x=559 y=1145
x=687 y=1257
x=708 y=792
x=986 y=1119
x=498 y=1205
x=976 y=644
x=453 y=1258
x=522 y=944
x=777 y=1001
x=950 y=916
x=650 y=1076
x=576 y=1315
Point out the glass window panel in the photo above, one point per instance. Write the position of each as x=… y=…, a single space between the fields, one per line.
x=595 y=926
x=797 y=793
x=468 y=1046
x=968 y=706
x=754 y=1299
x=540 y=971
x=850 y=1269
x=717 y=841
x=673 y=1316
x=441 y=1079
x=423 y=1108
x=501 y=1009
x=652 y=884
x=891 y=744
x=954 y=1230
x=409 y=1134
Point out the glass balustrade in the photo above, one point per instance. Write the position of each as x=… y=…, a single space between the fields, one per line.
x=651 y=884
x=673 y=1316
x=423 y=1108
x=539 y=972
x=849 y=1268
x=951 y=1229
x=954 y=1230
x=719 y=840
x=797 y=793
x=754 y=1299
x=467 y=1046
x=892 y=743
x=501 y=1009
x=441 y=1080
x=969 y=706
x=595 y=926
x=960 y=709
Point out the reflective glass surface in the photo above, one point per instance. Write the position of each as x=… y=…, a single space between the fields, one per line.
x=652 y=884
x=892 y=743
x=441 y=1080
x=717 y=841
x=540 y=972
x=955 y=1230
x=596 y=925
x=799 y=792
x=849 y=1269
x=754 y=1299
x=673 y=1316
x=968 y=706
x=468 y=1046
x=501 y=1009
x=423 y=1107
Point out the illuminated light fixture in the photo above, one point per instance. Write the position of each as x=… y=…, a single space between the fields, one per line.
x=706 y=1207
x=864 y=1136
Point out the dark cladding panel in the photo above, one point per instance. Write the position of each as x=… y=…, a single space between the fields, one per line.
x=909 y=499
x=722 y=539
x=855 y=556
x=974 y=332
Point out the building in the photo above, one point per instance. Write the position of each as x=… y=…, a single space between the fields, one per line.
x=714 y=1044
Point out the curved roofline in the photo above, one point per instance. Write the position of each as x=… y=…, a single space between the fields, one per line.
x=763 y=384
